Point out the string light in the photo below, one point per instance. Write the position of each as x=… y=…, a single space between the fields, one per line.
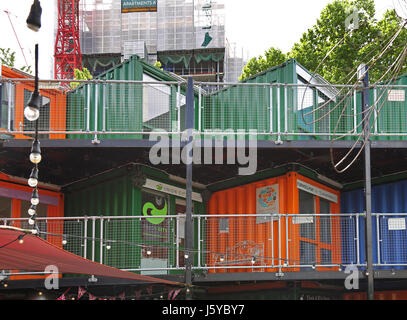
x=31 y=221
x=32 y=210
x=33 y=180
x=20 y=239
x=35 y=155
x=35 y=199
x=64 y=241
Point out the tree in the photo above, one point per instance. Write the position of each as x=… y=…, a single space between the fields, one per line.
x=272 y=57
x=327 y=36
x=334 y=50
x=83 y=74
x=8 y=58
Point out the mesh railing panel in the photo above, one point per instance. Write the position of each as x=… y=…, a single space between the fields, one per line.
x=285 y=111
x=231 y=243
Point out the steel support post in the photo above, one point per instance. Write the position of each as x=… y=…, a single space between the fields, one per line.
x=189 y=228
x=368 y=183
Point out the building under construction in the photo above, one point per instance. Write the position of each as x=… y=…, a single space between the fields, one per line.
x=186 y=36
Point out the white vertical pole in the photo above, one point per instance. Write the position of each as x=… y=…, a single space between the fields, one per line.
x=10 y=106
x=179 y=107
x=271 y=108
x=85 y=241
x=285 y=110
x=88 y=110
x=101 y=240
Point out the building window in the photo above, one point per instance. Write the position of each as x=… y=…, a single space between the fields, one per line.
x=6 y=98
x=307 y=206
x=223 y=225
x=156 y=105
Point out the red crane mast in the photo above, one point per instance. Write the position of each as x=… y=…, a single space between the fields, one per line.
x=67 y=46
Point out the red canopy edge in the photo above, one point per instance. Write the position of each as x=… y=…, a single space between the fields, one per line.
x=35 y=254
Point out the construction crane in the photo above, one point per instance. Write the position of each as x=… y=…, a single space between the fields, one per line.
x=15 y=34
x=67 y=47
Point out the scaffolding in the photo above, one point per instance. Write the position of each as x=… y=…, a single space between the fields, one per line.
x=175 y=26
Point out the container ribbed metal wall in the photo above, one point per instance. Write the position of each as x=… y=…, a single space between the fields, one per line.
x=389 y=245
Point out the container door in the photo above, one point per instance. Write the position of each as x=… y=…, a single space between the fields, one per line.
x=317 y=240
x=307 y=234
x=155 y=233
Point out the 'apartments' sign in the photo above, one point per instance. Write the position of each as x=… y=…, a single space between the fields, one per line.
x=139 y=6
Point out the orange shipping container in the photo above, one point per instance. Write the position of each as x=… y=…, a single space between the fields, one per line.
x=15 y=197
x=244 y=236
x=53 y=109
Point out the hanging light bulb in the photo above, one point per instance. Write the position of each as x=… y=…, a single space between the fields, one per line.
x=64 y=241
x=32 y=210
x=148 y=252
x=253 y=260
x=108 y=246
x=31 y=111
x=33 y=180
x=31 y=221
x=222 y=259
x=35 y=199
x=20 y=239
x=35 y=156
x=34 y=18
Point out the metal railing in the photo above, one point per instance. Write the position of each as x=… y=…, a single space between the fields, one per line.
x=230 y=243
x=125 y=109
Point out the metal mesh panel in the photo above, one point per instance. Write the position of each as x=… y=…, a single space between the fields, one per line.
x=232 y=243
x=121 y=245
x=393 y=240
x=289 y=242
x=314 y=240
x=274 y=111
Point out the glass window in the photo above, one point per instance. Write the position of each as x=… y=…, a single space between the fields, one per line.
x=156 y=104
x=155 y=232
x=155 y=229
x=4 y=108
x=5 y=207
x=326 y=256
x=325 y=222
x=307 y=206
x=224 y=225
x=307 y=253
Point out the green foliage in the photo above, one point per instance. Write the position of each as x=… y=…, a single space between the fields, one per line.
x=83 y=74
x=8 y=58
x=324 y=49
x=158 y=65
x=272 y=57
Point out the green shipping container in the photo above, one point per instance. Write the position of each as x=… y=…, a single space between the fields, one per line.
x=134 y=243
x=128 y=107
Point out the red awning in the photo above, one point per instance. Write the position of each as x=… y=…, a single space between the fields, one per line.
x=35 y=254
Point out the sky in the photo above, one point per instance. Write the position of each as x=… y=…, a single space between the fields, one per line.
x=254 y=26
